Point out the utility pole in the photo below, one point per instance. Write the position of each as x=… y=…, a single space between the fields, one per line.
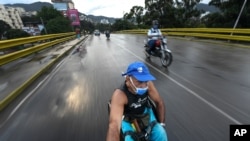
x=236 y=22
x=123 y=20
x=43 y=25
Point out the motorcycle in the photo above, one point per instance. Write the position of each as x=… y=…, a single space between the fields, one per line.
x=160 y=51
x=107 y=36
x=141 y=132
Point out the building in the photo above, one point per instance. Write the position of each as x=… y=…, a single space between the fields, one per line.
x=68 y=10
x=63 y=5
x=33 y=30
x=20 y=10
x=11 y=16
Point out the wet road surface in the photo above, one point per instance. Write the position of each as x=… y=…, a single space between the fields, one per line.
x=205 y=90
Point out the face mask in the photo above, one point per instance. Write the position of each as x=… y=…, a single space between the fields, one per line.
x=155 y=26
x=139 y=91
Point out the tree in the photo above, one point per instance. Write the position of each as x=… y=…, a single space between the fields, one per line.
x=48 y=13
x=32 y=19
x=230 y=10
x=54 y=21
x=187 y=13
x=159 y=10
x=170 y=13
x=214 y=20
x=184 y=13
x=122 y=25
x=135 y=15
x=4 y=28
x=59 y=25
x=87 y=26
x=103 y=27
x=16 y=33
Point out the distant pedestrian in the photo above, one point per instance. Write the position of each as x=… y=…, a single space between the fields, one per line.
x=78 y=35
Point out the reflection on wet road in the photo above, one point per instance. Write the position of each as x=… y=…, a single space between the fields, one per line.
x=205 y=90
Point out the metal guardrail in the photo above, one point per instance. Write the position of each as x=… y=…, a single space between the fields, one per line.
x=17 y=91
x=57 y=38
x=212 y=33
x=19 y=41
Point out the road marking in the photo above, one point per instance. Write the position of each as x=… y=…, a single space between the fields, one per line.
x=187 y=89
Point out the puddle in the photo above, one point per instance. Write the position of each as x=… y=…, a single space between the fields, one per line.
x=3 y=86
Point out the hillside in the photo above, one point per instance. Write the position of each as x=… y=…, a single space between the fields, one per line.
x=98 y=18
x=31 y=7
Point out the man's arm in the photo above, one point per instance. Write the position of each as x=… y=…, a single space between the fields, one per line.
x=151 y=35
x=160 y=106
x=118 y=101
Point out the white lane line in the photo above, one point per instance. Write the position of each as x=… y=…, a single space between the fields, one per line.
x=187 y=89
x=229 y=106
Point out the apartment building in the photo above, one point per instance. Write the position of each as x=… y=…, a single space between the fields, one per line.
x=11 y=16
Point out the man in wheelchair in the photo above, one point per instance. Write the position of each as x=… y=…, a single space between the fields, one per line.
x=137 y=111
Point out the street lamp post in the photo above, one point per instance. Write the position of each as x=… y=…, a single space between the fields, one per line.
x=43 y=25
x=123 y=21
x=237 y=20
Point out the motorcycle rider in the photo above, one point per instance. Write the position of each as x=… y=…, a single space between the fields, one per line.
x=107 y=33
x=131 y=98
x=154 y=33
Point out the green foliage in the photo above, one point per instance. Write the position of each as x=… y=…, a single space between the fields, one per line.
x=16 y=33
x=32 y=19
x=122 y=25
x=59 y=25
x=169 y=13
x=184 y=13
x=103 y=27
x=135 y=15
x=87 y=26
x=54 y=21
x=213 y=20
x=48 y=13
x=230 y=12
x=4 y=27
x=187 y=13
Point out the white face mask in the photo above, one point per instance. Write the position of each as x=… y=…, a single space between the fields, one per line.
x=139 y=91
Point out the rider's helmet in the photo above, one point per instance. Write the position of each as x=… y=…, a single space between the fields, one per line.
x=155 y=24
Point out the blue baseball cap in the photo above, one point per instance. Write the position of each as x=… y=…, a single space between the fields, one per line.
x=140 y=71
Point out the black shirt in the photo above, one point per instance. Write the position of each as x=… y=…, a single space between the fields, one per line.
x=136 y=103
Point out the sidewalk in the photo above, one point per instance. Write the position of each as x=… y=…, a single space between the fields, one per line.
x=17 y=75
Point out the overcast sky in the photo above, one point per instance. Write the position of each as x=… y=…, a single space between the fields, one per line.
x=109 y=8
